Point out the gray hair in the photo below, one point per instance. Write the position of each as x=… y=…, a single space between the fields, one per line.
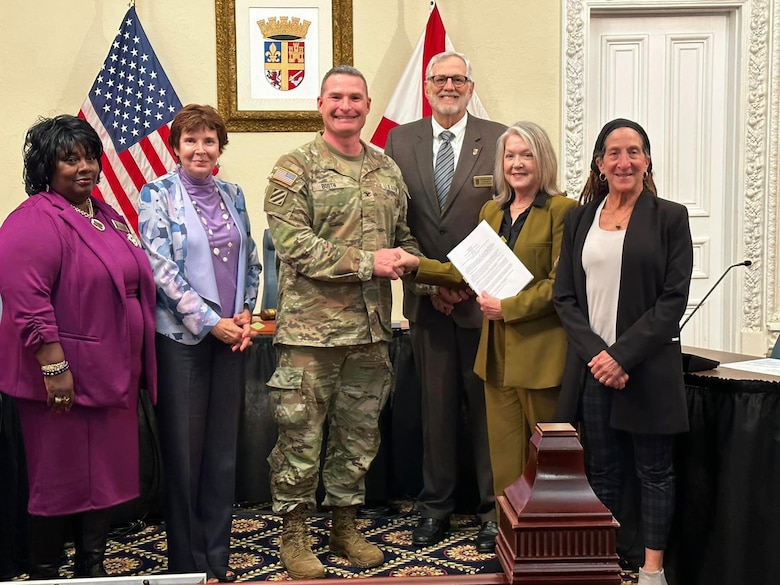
x=446 y=54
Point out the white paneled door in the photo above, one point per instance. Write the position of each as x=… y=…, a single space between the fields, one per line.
x=674 y=75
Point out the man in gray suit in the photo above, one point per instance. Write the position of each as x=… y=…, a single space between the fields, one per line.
x=444 y=208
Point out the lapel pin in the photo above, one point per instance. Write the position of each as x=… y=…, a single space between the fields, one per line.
x=475 y=152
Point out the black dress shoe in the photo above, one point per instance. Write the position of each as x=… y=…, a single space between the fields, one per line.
x=373 y=512
x=429 y=531
x=222 y=574
x=486 y=537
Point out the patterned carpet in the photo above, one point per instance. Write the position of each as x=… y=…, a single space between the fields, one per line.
x=255 y=542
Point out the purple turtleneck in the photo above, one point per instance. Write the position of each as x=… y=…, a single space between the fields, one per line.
x=221 y=233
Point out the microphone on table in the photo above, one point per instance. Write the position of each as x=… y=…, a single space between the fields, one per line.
x=695 y=363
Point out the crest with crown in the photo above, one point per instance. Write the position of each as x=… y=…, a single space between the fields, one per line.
x=284 y=28
x=284 y=51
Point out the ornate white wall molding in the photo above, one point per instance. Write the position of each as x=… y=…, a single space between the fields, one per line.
x=756 y=140
x=758 y=32
x=773 y=179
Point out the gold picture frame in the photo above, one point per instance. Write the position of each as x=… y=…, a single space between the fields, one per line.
x=259 y=119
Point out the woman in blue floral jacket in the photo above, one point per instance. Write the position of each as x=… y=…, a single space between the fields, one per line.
x=195 y=230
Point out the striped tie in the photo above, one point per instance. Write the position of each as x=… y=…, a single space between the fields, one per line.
x=445 y=167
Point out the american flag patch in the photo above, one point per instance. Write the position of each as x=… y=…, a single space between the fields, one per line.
x=277 y=197
x=284 y=177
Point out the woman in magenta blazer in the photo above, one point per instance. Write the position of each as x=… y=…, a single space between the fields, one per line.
x=77 y=333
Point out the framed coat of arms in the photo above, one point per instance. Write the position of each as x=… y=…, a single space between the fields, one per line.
x=271 y=56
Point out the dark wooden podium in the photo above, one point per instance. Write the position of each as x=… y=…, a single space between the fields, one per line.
x=552 y=527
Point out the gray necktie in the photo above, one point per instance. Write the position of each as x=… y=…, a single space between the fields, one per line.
x=445 y=167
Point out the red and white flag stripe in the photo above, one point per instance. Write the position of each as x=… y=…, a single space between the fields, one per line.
x=124 y=174
x=408 y=102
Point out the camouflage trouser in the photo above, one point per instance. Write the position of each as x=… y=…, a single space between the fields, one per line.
x=349 y=386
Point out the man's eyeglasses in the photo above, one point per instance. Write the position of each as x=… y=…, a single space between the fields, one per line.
x=441 y=80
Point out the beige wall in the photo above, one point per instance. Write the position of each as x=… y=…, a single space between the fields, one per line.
x=51 y=51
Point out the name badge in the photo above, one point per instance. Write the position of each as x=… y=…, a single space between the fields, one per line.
x=483 y=180
x=120 y=226
x=327 y=186
x=130 y=235
x=389 y=188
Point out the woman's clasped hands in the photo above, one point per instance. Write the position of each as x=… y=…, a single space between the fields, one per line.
x=607 y=371
x=236 y=332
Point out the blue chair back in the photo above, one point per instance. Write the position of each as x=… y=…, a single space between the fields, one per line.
x=776 y=349
x=270 y=280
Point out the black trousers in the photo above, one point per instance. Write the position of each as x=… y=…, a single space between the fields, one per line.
x=444 y=354
x=200 y=392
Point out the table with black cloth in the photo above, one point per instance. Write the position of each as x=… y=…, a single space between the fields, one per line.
x=727 y=523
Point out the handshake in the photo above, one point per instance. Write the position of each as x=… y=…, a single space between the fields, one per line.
x=393 y=263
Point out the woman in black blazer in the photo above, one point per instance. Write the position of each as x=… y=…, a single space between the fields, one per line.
x=621 y=290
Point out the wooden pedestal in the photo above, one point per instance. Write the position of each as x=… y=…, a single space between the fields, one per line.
x=552 y=527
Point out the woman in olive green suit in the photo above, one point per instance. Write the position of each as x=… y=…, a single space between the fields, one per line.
x=523 y=347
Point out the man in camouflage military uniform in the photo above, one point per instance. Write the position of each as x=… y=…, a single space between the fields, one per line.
x=336 y=208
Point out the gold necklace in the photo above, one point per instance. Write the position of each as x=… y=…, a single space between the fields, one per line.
x=619 y=223
x=90 y=215
x=520 y=209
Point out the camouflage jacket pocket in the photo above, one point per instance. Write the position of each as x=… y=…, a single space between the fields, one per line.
x=289 y=404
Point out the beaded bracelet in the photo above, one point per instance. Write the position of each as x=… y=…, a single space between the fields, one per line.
x=55 y=369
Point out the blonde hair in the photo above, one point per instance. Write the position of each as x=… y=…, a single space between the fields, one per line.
x=546 y=164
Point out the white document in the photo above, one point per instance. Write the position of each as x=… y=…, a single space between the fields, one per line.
x=768 y=366
x=487 y=263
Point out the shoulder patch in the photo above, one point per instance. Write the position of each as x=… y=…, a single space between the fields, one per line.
x=294 y=167
x=277 y=196
x=284 y=176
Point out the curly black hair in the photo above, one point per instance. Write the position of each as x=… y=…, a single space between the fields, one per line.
x=45 y=142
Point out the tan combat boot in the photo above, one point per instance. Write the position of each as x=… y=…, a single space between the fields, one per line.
x=295 y=547
x=347 y=541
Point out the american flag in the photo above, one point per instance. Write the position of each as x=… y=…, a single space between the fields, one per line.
x=131 y=105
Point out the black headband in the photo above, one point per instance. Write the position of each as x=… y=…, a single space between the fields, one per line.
x=610 y=127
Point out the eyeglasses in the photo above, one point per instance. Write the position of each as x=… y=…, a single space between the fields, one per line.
x=441 y=80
